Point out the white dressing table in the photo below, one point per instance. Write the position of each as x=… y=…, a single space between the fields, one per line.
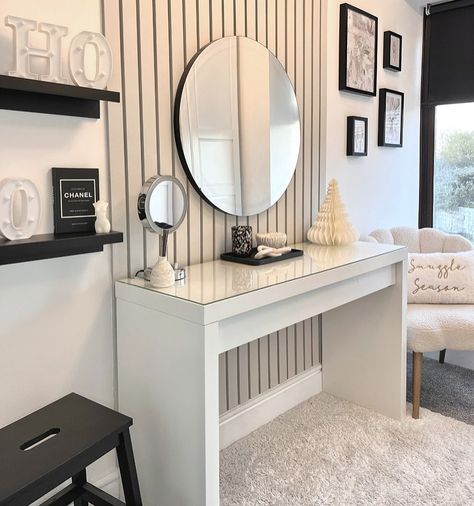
x=169 y=341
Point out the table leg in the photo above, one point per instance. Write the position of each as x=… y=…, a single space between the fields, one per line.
x=168 y=383
x=364 y=349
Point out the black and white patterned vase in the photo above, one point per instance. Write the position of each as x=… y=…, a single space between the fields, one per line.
x=242 y=240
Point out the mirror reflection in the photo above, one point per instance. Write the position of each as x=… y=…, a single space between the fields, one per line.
x=162 y=204
x=238 y=127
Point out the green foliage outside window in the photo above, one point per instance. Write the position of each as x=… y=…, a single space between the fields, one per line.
x=455 y=171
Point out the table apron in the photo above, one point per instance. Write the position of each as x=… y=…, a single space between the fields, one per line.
x=246 y=327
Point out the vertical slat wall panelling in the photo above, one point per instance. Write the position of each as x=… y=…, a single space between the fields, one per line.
x=290 y=351
x=308 y=335
x=116 y=160
x=317 y=186
x=290 y=65
x=243 y=351
x=115 y=114
x=290 y=192
x=262 y=219
x=130 y=96
x=275 y=32
x=190 y=37
x=261 y=31
x=308 y=147
x=299 y=88
x=250 y=31
x=217 y=28
x=207 y=212
x=277 y=39
x=148 y=119
x=154 y=40
x=316 y=345
x=281 y=49
x=272 y=359
x=229 y=26
x=218 y=218
x=177 y=57
x=299 y=175
x=317 y=182
x=162 y=62
x=253 y=384
x=240 y=30
x=306 y=113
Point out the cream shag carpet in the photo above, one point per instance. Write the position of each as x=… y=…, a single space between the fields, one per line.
x=329 y=451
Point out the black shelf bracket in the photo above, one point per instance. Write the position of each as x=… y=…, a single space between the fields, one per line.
x=30 y=95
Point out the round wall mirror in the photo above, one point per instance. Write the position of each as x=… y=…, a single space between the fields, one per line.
x=237 y=126
x=162 y=204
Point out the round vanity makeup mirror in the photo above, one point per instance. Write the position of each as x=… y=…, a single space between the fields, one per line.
x=237 y=126
x=162 y=204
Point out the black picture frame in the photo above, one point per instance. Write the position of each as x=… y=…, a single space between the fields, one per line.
x=389 y=39
x=344 y=55
x=384 y=95
x=351 y=136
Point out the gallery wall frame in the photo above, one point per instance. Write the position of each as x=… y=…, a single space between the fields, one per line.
x=392 y=51
x=391 y=110
x=358 y=35
x=357 y=136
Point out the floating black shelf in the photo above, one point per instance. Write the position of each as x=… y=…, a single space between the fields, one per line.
x=41 y=247
x=30 y=95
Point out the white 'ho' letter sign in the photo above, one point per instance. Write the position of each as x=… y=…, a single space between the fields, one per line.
x=103 y=59
x=23 y=52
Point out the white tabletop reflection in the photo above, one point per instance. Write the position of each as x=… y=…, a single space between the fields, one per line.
x=218 y=280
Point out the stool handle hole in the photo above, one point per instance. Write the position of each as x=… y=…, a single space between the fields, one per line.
x=38 y=440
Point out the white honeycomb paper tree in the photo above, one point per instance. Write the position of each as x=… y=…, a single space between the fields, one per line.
x=332 y=226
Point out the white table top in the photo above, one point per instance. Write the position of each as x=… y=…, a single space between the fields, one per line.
x=218 y=280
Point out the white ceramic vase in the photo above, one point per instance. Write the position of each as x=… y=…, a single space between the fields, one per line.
x=162 y=274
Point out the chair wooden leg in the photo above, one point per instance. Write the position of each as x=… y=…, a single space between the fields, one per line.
x=417 y=372
x=442 y=356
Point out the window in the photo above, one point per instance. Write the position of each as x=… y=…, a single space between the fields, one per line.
x=453 y=181
x=447 y=119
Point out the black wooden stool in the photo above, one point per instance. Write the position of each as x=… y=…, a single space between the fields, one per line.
x=58 y=442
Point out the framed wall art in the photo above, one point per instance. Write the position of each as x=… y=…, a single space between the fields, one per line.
x=391 y=104
x=392 y=51
x=358 y=34
x=357 y=130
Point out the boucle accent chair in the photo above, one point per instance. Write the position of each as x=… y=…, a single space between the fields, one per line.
x=432 y=327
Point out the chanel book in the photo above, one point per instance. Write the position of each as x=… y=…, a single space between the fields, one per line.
x=74 y=192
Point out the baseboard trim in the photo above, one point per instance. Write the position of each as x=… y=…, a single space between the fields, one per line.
x=243 y=420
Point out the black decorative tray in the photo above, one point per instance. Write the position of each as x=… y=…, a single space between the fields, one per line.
x=250 y=260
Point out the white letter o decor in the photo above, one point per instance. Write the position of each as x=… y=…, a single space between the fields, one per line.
x=20 y=208
x=77 y=62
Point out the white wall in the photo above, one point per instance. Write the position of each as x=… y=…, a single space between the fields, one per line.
x=56 y=328
x=380 y=190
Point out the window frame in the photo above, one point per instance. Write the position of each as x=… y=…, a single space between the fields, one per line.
x=428 y=118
